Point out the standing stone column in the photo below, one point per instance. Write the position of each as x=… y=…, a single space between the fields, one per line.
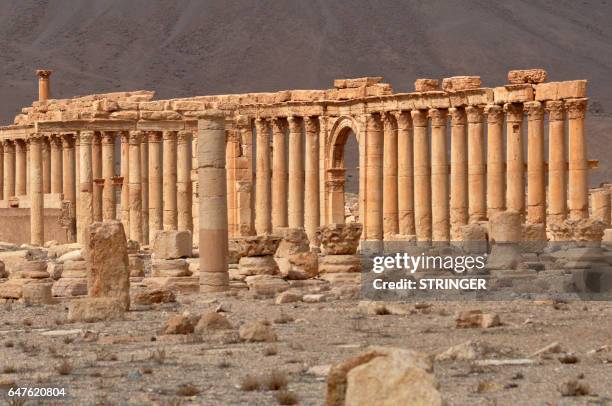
x=20 y=168
x=44 y=87
x=77 y=164
x=46 y=165
x=2 y=171
x=125 y=174
x=27 y=167
x=296 y=173
x=405 y=173
x=557 y=171
x=263 y=220
x=56 y=164
x=600 y=205
x=85 y=212
x=212 y=181
x=374 y=180
x=390 y=184
x=144 y=180
x=476 y=165
x=515 y=182
x=578 y=198
x=279 y=175
x=96 y=162
x=156 y=200
x=184 y=193
x=9 y=168
x=459 y=173
x=536 y=194
x=69 y=169
x=109 y=208
x=37 y=219
x=439 y=176
x=496 y=166
x=422 y=176
x=170 y=209
x=311 y=195
x=135 y=187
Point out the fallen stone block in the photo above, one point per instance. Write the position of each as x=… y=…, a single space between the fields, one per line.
x=93 y=309
x=172 y=245
x=532 y=76
x=339 y=264
x=257 y=331
x=457 y=83
x=154 y=296
x=339 y=239
x=427 y=85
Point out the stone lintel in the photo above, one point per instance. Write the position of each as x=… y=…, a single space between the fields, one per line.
x=561 y=90
x=84 y=125
x=513 y=94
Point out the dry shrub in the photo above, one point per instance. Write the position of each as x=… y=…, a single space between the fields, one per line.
x=285 y=397
x=187 y=390
x=276 y=381
x=250 y=383
x=64 y=368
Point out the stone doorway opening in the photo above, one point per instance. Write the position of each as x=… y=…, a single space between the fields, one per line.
x=343 y=178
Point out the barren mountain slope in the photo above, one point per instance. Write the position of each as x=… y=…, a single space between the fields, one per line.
x=192 y=47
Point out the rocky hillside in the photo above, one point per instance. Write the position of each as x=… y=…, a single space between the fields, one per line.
x=205 y=47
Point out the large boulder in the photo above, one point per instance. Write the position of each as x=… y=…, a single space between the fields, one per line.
x=108 y=264
x=340 y=239
x=383 y=376
x=172 y=244
x=257 y=331
x=531 y=76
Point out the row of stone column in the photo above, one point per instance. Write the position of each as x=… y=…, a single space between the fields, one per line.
x=152 y=198
x=287 y=186
x=409 y=190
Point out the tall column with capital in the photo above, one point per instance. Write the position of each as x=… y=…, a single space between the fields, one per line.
x=20 y=168
x=125 y=174
x=578 y=197
x=156 y=199
x=557 y=170
x=263 y=220
x=279 y=175
x=44 y=86
x=144 y=180
x=476 y=165
x=390 y=199
x=27 y=166
x=459 y=203
x=37 y=220
x=296 y=173
x=109 y=209
x=405 y=173
x=214 y=276
x=56 y=164
x=184 y=193
x=374 y=180
x=515 y=181
x=69 y=169
x=311 y=193
x=2 y=171
x=85 y=212
x=536 y=192
x=439 y=177
x=46 y=165
x=422 y=176
x=9 y=169
x=496 y=163
x=96 y=162
x=77 y=165
x=170 y=209
x=135 y=187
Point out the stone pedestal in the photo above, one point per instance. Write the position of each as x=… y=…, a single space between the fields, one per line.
x=506 y=235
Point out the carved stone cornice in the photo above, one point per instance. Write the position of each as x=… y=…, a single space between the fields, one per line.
x=474 y=114
x=555 y=110
x=514 y=112
x=419 y=118
x=534 y=109
x=576 y=108
x=495 y=114
x=438 y=117
x=457 y=115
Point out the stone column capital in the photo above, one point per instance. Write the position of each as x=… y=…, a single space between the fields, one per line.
x=36 y=138
x=495 y=114
x=67 y=140
x=108 y=138
x=55 y=141
x=43 y=73
x=169 y=135
x=576 y=108
x=457 y=115
x=183 y=136
x=438 y=117
x=154 y=136
x=403 y=119
x=278 y=125
x=335 y=185
x=555 y=110
x=86 y=137
x=97 y=138
x=373 y=123
x=8 y=145
x=295 y=124
x=474 y=114
x=419 y=118
x=232 y=136
x=311 y=124
x=514 y=112
x=534 y=109
x=136 y=137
